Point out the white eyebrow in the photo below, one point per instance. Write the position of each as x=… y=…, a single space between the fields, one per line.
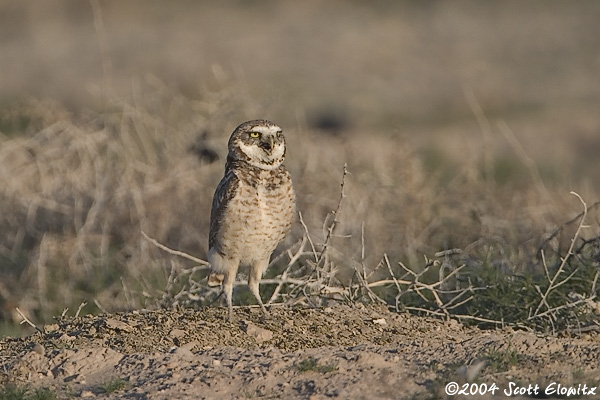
x=266 y=129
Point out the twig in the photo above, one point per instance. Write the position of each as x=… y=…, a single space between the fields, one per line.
x=585 y=242
x=100 y=306
x=284 y=275
x=458 y=316
x=389 y=267
x=545 y=264
x=449 y=252
x=174 y=252
x=364 y=285
x=362 y=251
x=450 y=306
x=27 y=321
x=569 y=222
x=83 y=304
x=479 y=319
x=335 y=214
x=551 y=311
x=312 y=245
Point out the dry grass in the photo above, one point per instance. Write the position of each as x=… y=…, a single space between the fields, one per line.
x=76 y=192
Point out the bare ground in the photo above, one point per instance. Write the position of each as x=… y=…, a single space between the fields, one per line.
x=296 y=353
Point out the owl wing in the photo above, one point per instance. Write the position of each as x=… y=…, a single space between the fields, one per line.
x=225 y=191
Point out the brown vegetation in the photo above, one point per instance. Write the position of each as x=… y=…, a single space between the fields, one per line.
x=77 y=195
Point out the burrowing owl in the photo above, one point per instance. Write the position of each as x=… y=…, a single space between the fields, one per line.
x=253 y=207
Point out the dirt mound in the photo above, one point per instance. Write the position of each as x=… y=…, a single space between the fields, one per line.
x=297 y=352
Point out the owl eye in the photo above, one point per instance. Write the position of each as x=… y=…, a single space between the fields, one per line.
x=254 y=134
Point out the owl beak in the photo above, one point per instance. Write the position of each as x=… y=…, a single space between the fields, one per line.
x=272 y=142
x=268 y=146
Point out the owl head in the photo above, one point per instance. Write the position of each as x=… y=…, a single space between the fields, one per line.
x=260 y=143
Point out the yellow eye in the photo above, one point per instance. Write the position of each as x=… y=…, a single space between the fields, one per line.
x=254 y=134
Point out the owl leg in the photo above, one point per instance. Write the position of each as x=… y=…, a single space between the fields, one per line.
x=228 y=289
x=223 y=271
x=256 y=271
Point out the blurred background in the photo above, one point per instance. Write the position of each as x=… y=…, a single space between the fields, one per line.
x=459 y=122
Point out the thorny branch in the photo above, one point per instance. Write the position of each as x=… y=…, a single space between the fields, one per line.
x=323 y=254
x=309 y=277
x=569 y=222
x=552 y=279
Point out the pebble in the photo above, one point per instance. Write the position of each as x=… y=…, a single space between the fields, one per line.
x=38 y=348
x=177 y=333
x=259 y=334
x=116 y=324
x=183 y=352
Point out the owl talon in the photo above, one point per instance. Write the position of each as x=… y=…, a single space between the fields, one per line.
x=215 y=279
x=264 y=311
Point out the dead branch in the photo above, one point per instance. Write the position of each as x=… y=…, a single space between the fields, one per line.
x=83 y=304
x=174 y=252
x=564 y=225
x=27 y=321
x=334 y=223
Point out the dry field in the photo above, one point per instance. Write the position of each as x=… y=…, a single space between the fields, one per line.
x=471 y=138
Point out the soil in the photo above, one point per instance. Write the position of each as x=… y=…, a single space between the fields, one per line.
x=341 y=351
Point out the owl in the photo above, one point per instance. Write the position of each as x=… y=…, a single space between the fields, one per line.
x=253 y=207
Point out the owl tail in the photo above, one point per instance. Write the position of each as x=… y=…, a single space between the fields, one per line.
x=215 y=279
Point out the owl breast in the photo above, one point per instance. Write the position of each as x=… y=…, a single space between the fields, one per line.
x=261 y=213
